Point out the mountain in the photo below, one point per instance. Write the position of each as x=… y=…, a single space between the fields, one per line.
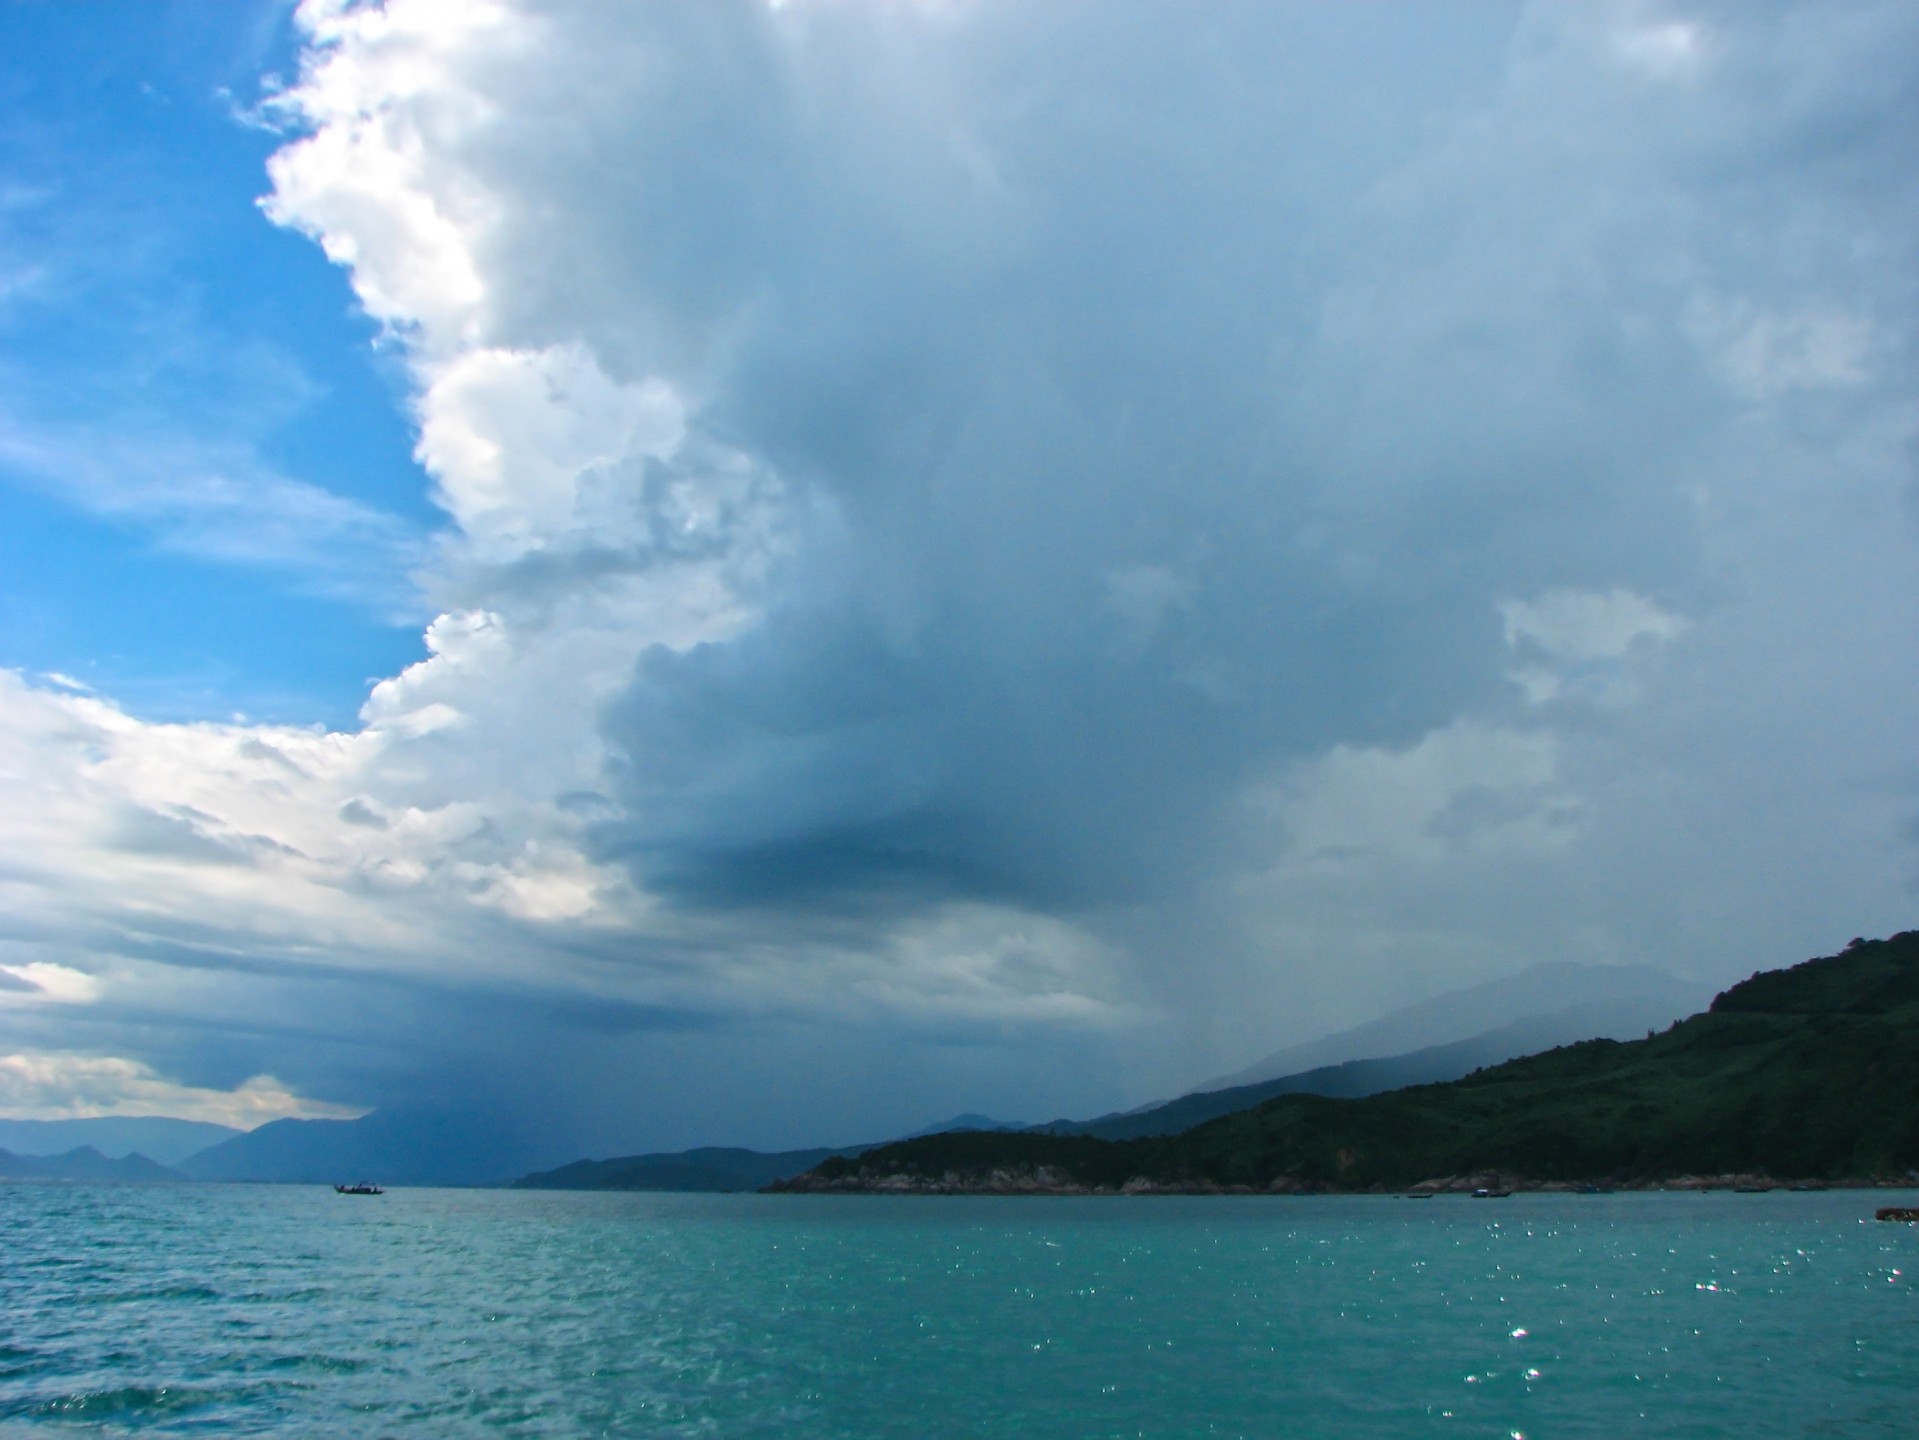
x=84 y=1163
x=714 y=1168
x=421 y=1147
x=1807 y=1073
x=394 y=1147
x=1350 y=1081
x=1542 y=1005
x=966 y=1120
x=1611 y=1000
x=160 y=1138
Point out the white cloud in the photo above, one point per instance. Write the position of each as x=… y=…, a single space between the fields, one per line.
x=977 y=962
x=530 y=449
x=383 y=98
x=1584 y=643
x=76 y=1087
x=1766 y=354
x=44 y=980
x=1471 y=785
x=1667 y=49
x=1587 y=625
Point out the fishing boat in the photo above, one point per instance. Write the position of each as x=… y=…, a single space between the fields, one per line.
x=363 y=1188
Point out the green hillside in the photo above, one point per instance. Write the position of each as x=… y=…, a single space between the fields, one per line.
x=1806 y=1073
x=711 y=1168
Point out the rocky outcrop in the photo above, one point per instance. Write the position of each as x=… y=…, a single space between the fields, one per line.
x=1054 y=1180
x=998 y=1180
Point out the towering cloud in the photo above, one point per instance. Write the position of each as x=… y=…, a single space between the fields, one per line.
x=985 y=541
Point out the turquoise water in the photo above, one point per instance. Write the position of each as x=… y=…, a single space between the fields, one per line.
x=276 y=1310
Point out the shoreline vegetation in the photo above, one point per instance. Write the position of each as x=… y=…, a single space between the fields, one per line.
x=1803 y=1078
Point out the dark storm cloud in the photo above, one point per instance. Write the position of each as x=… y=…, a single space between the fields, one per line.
x=1175 y=401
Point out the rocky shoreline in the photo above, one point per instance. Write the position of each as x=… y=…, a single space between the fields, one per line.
x=1052 y=1180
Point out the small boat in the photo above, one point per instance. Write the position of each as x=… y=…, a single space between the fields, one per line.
x=365 y=1187
x=1752 y=1189
x=1491 y=1194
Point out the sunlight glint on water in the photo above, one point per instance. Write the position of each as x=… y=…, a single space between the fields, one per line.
x=272 y=1310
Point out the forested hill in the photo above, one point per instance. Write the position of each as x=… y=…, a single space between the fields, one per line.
x=1810 y=1073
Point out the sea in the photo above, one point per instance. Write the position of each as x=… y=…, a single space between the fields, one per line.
x=281 y=1310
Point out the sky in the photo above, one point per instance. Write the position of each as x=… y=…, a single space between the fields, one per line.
x=754 y=573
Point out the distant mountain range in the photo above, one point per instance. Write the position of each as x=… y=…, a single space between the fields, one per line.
x=712 y=1167
x=84 y=1164
x=1439 y=1039
x=394 y=1147
x=1584 y=1002
x=1350 y=1081
x=1810 y=1073
x=1535 y=1009
x=159 y=1138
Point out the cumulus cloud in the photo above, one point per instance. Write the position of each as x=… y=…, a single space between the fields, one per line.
x=1019 y=526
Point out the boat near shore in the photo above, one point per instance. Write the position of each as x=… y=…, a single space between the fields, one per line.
x=364 y=1187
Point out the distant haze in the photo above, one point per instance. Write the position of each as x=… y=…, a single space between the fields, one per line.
x=1439 y=1039
x=1565 y=1002
x=165 y=1141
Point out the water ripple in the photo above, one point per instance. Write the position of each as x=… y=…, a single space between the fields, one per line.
x=271 y=1310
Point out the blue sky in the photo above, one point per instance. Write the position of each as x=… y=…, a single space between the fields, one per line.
x=149 y=307
x=864 y=561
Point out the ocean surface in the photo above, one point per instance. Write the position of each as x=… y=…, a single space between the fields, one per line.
x=235 y=1310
